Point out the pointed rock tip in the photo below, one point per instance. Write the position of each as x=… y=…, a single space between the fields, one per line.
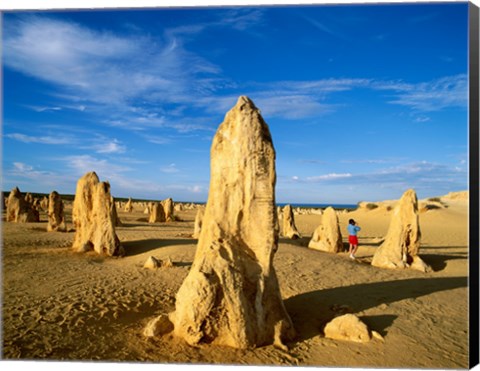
x=243 y=99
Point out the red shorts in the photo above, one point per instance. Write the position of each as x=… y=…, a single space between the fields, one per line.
x=353 y=240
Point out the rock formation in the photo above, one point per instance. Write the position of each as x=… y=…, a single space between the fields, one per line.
x=19 y=210
x=289 y=228
x=327 y=237
x=231 y=295
x=169 y=210
x=29 y=198
x=56 y=219
x=44 y=203
x=347 y=327
x=198 y=222
x=92 y=217
x=157 y=214
x=116 y=220
x=401 y=245
x=129 y=206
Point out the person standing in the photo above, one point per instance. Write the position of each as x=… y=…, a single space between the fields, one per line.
x=353 y=228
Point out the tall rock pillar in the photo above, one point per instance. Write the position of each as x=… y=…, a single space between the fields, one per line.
x=231 y=295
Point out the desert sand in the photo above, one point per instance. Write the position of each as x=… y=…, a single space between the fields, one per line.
x=63 y=305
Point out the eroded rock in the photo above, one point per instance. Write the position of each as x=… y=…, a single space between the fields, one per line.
x=231 y=295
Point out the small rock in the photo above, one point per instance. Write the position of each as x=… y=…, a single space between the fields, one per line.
x=167 y=263
x=347 y=327
x=160 y=325
x=152 y=263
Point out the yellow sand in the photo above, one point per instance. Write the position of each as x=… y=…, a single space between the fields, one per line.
x=61 y=305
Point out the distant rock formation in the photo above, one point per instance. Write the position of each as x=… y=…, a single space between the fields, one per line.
x=44 y=203
x=129 y=206
x=289 y=228
x=92 y=217
x=402 y=243
x=198 y=222
x=56 y=218
x=116 y=220
x=157 y=214
x=19 y=210
x=231 y=295
x=327 y=237
x=169 y=210
x=29 y=198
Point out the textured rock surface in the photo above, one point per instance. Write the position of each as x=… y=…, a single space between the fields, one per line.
x=401 y=245
x=231 y=294
x=198 y=222
x=327 y=237
x=347 y=327
x=157 y=214
x=168 y=207
x=289 y=228
x=92 y=217
x=56 y=218
x=19 y=210
x=152 y=263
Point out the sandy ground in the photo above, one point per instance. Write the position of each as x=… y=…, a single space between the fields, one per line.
x=61 y=305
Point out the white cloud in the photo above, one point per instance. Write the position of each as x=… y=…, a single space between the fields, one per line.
x=83 y=164
x=44 y=108
x=435 y=95
x=332 y=176
x=112 y=146
x=170 y=169
x=421 y=175
x=41 y=139
x=43 y=180
x=98 y=68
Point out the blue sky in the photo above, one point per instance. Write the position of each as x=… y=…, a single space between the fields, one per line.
x=363 y=101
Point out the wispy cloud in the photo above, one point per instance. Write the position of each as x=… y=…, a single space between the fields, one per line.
x=331 y=176
x=99 y=69
x=41 y=139
x=169 y=169
x=435 y=95
x=421 y=175
x=24 y=174
x=109 y=146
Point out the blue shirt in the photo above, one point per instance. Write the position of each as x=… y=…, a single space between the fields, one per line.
x=353 y=229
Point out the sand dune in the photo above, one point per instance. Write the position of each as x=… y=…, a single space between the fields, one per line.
x=61 y=305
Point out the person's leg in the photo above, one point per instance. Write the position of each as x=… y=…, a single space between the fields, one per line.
x=355 y=248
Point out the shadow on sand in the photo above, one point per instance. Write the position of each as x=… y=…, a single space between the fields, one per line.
x=438 y=262
x=142 y=246
x=311 y=311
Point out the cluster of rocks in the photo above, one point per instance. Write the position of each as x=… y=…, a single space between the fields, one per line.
x=27 y=209
x=231 y=294
x=21 y=209
x=161 y=211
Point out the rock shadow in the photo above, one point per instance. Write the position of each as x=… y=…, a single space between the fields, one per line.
x=301 y=241
x=379 y=323
x=142 y=246
x=311 y=311
x=438 y=262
